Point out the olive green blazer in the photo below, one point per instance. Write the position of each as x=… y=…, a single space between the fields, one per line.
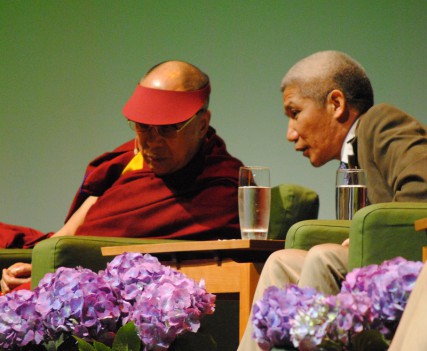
x=392 y=147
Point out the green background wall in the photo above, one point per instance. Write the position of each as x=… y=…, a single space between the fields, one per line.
x=67 y=67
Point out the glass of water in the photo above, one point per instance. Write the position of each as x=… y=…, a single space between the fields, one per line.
x=254 y=202
x=351 y=192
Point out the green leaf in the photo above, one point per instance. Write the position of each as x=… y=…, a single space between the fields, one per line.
x=329 y=345
x=370 y=340
x=84 y=345
x=99 y=346
x=55 y=345
x=127 y=339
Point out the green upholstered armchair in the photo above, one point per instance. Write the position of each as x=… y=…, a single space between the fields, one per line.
x=290 y=204
x=377 y=233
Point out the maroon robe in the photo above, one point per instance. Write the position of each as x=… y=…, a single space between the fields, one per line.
x=198 y=202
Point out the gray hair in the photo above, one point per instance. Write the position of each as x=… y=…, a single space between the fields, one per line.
x=320 y=73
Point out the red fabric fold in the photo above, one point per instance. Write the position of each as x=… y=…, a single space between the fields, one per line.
x=198 y=202
x=15 y=236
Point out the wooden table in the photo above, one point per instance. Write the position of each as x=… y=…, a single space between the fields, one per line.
x=227 y=266
x=421 y=224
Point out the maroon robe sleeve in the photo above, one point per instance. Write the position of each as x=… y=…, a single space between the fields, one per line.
x=15 y=236
x=101 y=173
x=198 y=202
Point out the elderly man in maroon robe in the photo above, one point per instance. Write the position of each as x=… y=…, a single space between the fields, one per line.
x=175 y=180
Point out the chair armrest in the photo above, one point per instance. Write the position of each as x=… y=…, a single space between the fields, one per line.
x=73 y=251
x=10 y=256
x=382 y=231
x=305 y=234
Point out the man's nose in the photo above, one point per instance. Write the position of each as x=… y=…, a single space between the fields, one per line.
x=292 y=134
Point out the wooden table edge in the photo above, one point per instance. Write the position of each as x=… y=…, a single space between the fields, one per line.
x=185 y=246
x=420 y=224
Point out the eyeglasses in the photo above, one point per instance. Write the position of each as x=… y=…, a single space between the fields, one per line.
x=165 y=131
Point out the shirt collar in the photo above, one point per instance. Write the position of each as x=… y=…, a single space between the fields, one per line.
x=347 y=147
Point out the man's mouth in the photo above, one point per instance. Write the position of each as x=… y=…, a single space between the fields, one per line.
x=153 y=158
x=304 y=150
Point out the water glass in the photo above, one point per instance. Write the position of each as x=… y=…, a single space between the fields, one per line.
x=351 y=192
x=254 y=202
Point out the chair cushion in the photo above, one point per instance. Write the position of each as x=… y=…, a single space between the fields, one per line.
x=290 y=204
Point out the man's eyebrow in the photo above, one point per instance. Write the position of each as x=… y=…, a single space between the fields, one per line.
x=288 y=105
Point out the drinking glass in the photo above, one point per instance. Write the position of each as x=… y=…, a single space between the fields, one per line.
x=351 y=192
x=254 y=202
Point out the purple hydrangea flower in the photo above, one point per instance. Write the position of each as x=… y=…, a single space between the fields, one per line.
x=168 y=308
x=20 y=324
x=311 y=322
x=77 y=302
x=352 y=315
x=162 y=302
x=129 y=273
x=388 y=286
x=371 y=297
x=272 y=316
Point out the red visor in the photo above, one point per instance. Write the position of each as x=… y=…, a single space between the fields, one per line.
x=155 y=106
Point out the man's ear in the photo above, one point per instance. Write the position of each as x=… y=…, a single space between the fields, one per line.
x=204 y=123
x=337 y=103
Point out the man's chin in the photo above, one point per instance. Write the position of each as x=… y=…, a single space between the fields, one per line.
x=317 y=163
x=314 y=162
x=158 y=171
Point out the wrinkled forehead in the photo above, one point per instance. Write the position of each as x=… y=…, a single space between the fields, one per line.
x=292 y=95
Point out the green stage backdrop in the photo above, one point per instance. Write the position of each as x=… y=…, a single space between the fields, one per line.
x=67 y=67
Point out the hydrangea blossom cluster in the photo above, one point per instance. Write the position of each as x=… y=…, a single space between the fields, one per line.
x=162 y=303
x=129 y=274
x=76 y=301
x=349 y=314
x=20 y=324
x=273 y=315
x=388 y=287
x=169 y=308
x=371 y=297
x=311 y=322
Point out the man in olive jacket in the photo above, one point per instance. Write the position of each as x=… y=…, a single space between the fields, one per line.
x=329 y=101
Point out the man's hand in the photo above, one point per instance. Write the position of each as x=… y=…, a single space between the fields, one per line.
x=346 y=242
x=17 y=274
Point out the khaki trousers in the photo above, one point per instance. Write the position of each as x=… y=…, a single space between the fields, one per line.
x=411 y=333
x=322 y=267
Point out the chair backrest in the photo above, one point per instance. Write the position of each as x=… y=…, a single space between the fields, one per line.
x=290 y=203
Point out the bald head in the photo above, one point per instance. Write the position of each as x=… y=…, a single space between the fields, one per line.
x=318 y=74
x=176 y=76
